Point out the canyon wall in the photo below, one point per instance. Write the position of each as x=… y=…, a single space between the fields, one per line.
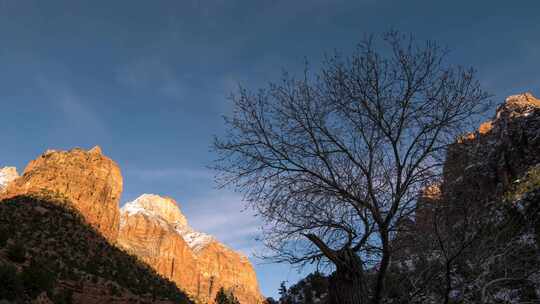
x=483 y=165
x=154 y=228
x=91 y=181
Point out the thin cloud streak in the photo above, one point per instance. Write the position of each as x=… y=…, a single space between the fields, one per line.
x=152 y=73
x=170 y=173
x=225 y=216
x=77 y=115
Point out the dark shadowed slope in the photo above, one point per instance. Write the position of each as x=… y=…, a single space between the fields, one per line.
x=47 y=250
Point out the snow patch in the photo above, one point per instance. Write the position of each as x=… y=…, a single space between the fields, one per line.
x=7 y=174
x=133 y=208
x=196 y=240
x=159 y=209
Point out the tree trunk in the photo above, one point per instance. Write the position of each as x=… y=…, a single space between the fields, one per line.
x=383 y=268
x=347 y=284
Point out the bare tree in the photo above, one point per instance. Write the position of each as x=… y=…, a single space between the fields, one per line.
x=333 y=162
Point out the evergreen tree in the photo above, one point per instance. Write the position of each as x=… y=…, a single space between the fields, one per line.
x=283 y=293
x=233 y=299
x=270 y=301
x=10 y=283
x=16 y=253
x=37 y=279
x=282 y=289
x=221 y=297
x=224 y=297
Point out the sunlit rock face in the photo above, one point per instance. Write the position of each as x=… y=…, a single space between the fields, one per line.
x=91 y=181
x=151 y=227
x=157 y=207
x=222 y=266
x=154 y=228
x=147 y=230
x=7 y=175
x=424 y=215
x=481 y=165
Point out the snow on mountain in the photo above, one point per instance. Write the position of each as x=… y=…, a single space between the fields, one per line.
x=166 y=209
x=7 y=174
x=157 y=206
x=153 y=228
x=195 y=239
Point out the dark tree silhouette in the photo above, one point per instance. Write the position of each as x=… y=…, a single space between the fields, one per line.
x=270 y=301
x=282 y=289
x=223 y=297
x=333 y=162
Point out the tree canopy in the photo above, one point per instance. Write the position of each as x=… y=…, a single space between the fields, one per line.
x=334 y=162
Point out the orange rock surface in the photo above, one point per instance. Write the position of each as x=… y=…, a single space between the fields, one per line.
x=91 y=181
x=154 y=228
x=160 y=246
x=225 y=267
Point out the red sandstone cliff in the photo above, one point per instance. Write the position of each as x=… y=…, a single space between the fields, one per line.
x=152 y=238
x=229 y=269
x=153 y=228
x=90 y=180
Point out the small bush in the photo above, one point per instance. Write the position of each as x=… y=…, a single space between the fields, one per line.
x=4 y=236
x=114 y=290
x=79 y=251
x=64 y=296
x=10 y=286
x=37 y=279
x=529 y=182
x=224 y=297
x=16 y=253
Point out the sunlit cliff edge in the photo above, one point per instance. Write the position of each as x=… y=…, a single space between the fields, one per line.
x=152 y=227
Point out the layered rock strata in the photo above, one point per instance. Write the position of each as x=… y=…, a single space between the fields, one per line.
x=154 y=228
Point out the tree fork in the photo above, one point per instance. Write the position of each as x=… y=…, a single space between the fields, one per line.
x=348 y=284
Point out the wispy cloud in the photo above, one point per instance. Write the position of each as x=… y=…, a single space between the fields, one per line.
x=224 y=215
x=170 y=173
x=152 y=73
x=78 y=116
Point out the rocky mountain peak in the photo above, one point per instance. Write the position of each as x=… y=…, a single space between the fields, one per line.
x=156 y=206
x=96 y=150
x=518 y=105
x=151 y=227
x=514 y=107
x=500 y=151
x=91 y=181
x=523 y=99
x=154 y=228
x=166 y=209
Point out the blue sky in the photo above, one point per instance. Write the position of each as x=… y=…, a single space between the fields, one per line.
x=147 y=80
